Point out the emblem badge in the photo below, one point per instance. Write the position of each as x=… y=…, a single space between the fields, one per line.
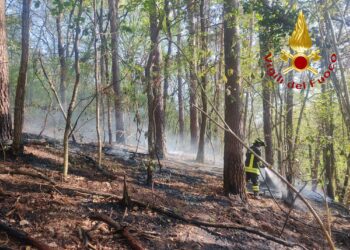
x=300 y=42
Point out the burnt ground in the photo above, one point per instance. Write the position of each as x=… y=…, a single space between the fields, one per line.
x=58 y=218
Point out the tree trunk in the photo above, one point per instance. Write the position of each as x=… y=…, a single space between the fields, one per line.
x=218 y=91
x=119 y=118
x=246 y=102
x=97 y=89
x=167 y=57
x=67 y=130
x=22 y=80
x=5 y=118
x=62 y=58
x=266 y=95
x=203 y=80
x=316 y=162
x=179 y=91
x=234 y=181
x=346 y=179
x=155 y=90
x=289 y=132
x=104 y=72
x=193 y=81
x=328 y=149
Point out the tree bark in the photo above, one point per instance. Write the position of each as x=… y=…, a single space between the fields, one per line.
x=289 y=135
x=219 y=83
x=97 y=89
x=167 y=56
x=193 y=81
x=104 y=72
x=155 y=90
x=316 y=162
x=266 y=95
x=62 y=59
x=328 y=149
x=22 y=80
x=179 y=91
x=234 y=181
x=203 y=80
x=5 y=118
x=116 y=82
x=346 y=180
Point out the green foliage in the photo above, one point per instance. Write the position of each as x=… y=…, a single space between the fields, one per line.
x=276 y=21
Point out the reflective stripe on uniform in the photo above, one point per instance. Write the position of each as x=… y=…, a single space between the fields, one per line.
x=251 y=161
x=256 y=188
x=250 y=168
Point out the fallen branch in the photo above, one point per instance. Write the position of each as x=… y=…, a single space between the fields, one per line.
x=123 y=230
x=23 y=237
x=168 y=212
x=173 y=215
x=99 y=168
x=23 y=172
x=291 y=208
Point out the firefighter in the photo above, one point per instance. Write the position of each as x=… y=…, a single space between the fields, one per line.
x=252 y=165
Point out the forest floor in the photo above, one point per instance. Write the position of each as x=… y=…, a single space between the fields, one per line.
x=59 y=213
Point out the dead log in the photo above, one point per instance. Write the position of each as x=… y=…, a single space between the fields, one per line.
x=23 y=237
x=123 y=230
x=36 y=142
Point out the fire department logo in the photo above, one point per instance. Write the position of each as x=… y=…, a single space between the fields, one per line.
x=300 y=42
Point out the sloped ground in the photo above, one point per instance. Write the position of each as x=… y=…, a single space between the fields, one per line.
x=61 y=218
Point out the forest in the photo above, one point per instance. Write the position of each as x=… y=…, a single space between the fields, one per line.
x=174 y=124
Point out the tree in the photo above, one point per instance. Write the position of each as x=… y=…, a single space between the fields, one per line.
x=203 y=79
x=328 y=148
x=68 y=130
x=97 y=88
x=104 y=70
x=265 y=46
x=234 y=181
x=116 y=81
x=22 y=80
x=155 y=87
x=62 y=57
x=193 y=81
x=289 y=131
x=341 y=88
x=179 y=90
x=168 y=54
x=5 y=118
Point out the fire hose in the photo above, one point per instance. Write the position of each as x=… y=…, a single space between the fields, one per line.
x=290 y=186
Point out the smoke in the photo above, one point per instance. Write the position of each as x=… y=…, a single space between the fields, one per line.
x=85 y=132
x=280 y=190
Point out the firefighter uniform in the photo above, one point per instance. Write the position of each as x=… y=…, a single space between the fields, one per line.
x=252 y=165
